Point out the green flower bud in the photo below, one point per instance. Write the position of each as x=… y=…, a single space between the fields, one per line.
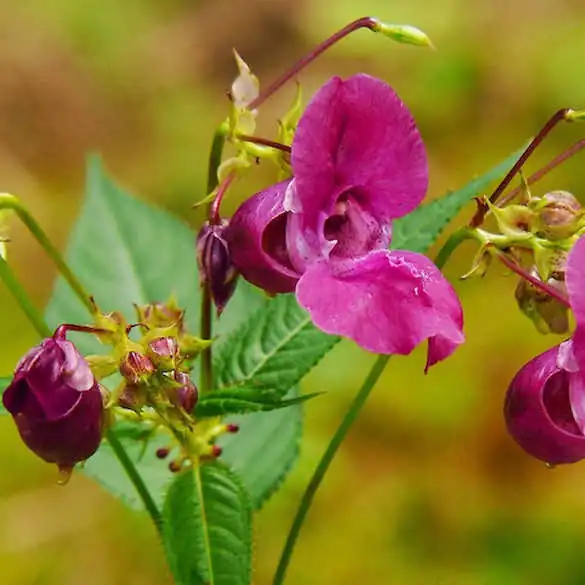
x=559 y=215
x=546 y=312
x=403 y=33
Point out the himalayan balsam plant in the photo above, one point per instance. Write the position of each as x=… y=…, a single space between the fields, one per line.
x=167 y=376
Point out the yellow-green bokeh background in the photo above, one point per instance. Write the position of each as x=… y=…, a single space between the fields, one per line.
x=428 y=489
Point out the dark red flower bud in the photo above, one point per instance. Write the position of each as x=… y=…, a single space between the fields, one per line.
x=539 y=411
x=162 y=452
x=216 y=269
x=163 y=352
x=136 y=367
x=187 y=393
x=56 y=403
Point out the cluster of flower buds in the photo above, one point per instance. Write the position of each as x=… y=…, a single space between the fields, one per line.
x=62 y=411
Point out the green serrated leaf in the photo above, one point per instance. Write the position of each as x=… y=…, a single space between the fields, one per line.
x=419 y=230
x=125 y=251
x=265 y=448
x=218 y=405
x=208 y=528
x=275 y=347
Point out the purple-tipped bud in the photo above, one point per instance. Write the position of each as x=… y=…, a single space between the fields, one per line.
x=216 y=269
x=539 y=414
x=163 y=352
x=187 y=393
x=56 y=403
x=136 y=367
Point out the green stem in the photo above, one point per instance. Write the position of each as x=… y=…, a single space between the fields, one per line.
x=8 y=201
x=136 y=480
x=205 y=319
x=19 y=293
x=452 y=243
x=321 y=469
x=206 y=380
x=215 y=155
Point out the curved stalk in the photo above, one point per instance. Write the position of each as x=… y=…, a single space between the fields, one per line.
x=323 y=465
x=8 y=201
x=19 y=293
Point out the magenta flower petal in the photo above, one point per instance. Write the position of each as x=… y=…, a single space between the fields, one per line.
x=357 y=137
x=539 y=413
x=256 y=237
x=387 y=302
x=575 y=281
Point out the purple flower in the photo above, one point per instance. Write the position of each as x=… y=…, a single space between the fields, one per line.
x=358 y=163
x=56 y=403
x=545 y=403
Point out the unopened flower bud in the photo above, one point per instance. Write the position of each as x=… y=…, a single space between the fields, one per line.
x=216 y=268
x=186 y=394
x=163 y=352
x=176 y=466
x=403 y=33
x=161 y=315
x=56 y=403
x=162 y=452
x=132 y=397
x=559 y=215
x=547 y=313
x=136 y=368
x=539 y=411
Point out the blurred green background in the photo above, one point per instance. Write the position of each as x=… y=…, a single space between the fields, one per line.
x=428 y=489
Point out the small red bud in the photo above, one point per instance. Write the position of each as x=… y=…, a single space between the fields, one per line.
x=136 y=367
x=175 y=466
x=162 y=452
x=187 y=394
x=232 y=428
x=216 y=450
x=163 y=352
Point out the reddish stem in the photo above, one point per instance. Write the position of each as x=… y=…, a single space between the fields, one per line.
x=264 y=142
x=365 y=22
x=214 y=218
x=549 y=290
x=555 y=162
x=61 y=331
x=482 y=209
